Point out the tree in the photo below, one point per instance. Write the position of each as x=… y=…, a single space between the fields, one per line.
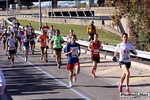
x=137 y=12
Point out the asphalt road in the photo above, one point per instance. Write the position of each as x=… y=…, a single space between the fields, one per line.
x=38 y=80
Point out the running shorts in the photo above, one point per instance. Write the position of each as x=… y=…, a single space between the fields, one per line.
x=12 y=52
x=26 y=47
x=42 y=48
x=58 y=49
x=95 y=59
x=72 y=66
x=127 y=64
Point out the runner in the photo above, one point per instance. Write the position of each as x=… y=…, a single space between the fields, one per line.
x=1 y=30
x=70 y=35
x=15 y=28
x=9 y=30
x=124 y=50
x=95 y=47
x=25 y=40
x=30 y=28
x=43 y=40
x=51 y=34
x=72 y=51
x=20 y=33
x=56 y=41
x=32 y=40
x=4 y=36
x=10 y=45
x=45 y=28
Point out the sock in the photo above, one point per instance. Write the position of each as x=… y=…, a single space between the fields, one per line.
x=127 y=87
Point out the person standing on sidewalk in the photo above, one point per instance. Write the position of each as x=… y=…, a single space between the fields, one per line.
x=124 y=50
x=91 y=30
x=95 y=47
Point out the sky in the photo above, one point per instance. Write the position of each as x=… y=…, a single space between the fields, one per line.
x=64 y=3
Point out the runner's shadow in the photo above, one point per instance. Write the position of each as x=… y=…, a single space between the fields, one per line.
x=140 y=85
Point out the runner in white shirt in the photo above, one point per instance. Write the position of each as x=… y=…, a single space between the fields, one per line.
x=10 y=46
x=124 y=50
x=50 y=35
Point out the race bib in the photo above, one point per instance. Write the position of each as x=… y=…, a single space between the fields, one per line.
x=95 y=51
x=57 y=42
x=25 y=39
x=74 y=53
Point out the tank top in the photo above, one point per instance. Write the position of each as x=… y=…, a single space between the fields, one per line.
x=43 y=41
x=95 y=49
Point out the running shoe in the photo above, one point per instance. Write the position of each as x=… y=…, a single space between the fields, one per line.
x=127 y=91
x=74 y=78
x=25 y=59
x=119 y=87
x=41 y=58
x=9 y=57
x=32 y=52
x=93 y=73
x=58 y=65
x=70 y=84
x=46 y=60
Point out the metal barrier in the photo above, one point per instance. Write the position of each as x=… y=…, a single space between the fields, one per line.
x=141 y=54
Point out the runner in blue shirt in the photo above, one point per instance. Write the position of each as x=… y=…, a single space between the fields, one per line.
x=72 y=51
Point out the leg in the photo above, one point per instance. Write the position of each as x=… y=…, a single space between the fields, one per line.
x=46 y=54
x=42 y=53
x=94 y=67
x=12 y=62
x=77 y=71
x=70 y=78
x=56 y=56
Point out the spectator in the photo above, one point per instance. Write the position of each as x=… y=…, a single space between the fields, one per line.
x=91 y=30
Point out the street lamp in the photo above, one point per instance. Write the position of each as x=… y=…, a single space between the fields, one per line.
x=40 y=17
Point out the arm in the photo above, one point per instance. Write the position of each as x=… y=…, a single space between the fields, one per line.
x=89 y=47
x=38 y=39
x=79 y=51
x=88 y=29
x=95 y=29
x=115 y=54
x=133 y=51
x=7 y=45
x=101 y=47
x=68 y=51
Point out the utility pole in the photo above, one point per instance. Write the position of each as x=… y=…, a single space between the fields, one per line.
x=40 y=15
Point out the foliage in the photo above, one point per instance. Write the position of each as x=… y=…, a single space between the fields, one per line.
x=137 y=12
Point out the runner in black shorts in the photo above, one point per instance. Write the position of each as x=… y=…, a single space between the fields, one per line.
x=95 y=47
x=124 y=50
x=56 y=41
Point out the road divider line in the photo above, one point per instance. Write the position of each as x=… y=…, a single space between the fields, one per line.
x=73 y=90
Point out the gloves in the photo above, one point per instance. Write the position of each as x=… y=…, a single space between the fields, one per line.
x=114 y=59
x=132 y=51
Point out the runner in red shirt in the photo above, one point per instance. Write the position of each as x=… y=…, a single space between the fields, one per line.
x=95 y=47
x=45 y=28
